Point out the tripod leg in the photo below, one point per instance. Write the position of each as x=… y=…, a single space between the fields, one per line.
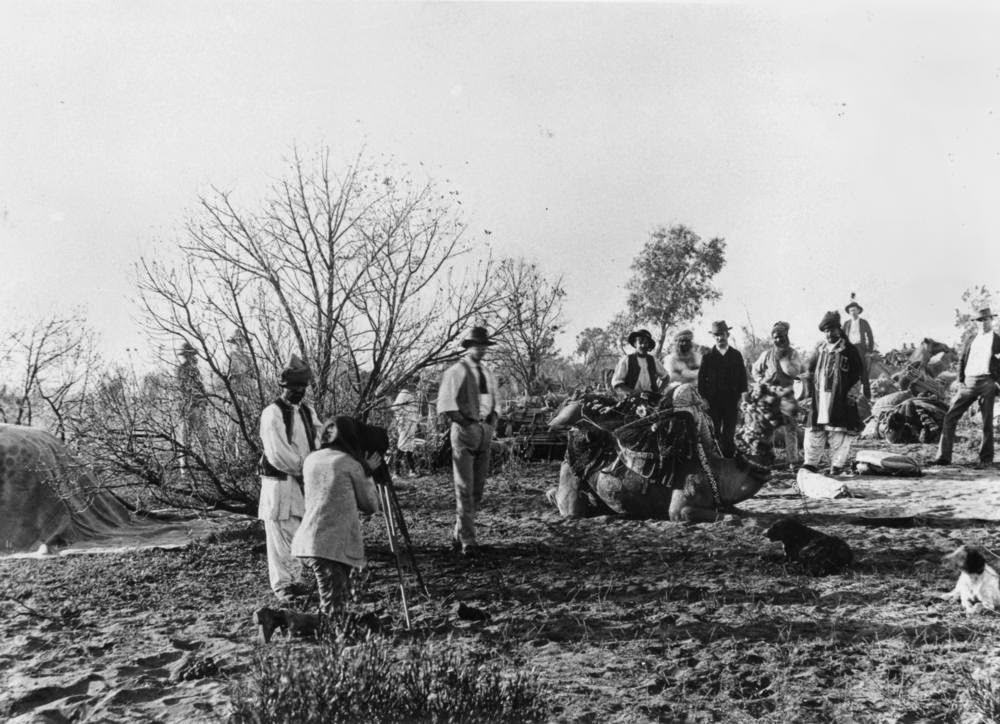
x=406 y=538
x=390 y=529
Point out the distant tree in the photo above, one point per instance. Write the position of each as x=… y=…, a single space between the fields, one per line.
x=597 y=350
x=973 y=298
x=672 y=278
x=533 y=316
x=48 y=364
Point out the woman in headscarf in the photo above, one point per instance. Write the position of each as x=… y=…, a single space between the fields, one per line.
x=338 y=485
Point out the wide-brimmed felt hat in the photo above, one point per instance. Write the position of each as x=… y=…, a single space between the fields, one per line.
x=720 y=326
x=477 y=338
x=187 y=350
x=830 y=320
x=296 y=374
x=853 y=303
x=984 y=313
x=640 y=333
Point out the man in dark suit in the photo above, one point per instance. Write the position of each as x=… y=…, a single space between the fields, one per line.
x=722 y=380
x=978 y=373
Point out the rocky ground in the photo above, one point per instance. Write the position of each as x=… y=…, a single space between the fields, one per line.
x=620 y=620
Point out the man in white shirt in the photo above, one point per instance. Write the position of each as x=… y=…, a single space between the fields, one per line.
x=467 y=396
x=406 y=415
x=978 y=373
x=288 y=428
x=859 y=333
x=639 y=371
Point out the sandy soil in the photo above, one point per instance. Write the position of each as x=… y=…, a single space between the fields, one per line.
x=621 y=620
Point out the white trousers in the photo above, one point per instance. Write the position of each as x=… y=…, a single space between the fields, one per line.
x=283 y=568
x=816 y=442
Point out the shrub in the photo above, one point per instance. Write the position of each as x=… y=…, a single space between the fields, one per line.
x=374 y=682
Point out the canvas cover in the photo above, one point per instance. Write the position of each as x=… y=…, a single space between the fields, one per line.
x=46 y=496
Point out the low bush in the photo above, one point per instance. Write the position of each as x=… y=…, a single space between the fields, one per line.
x=372 y=681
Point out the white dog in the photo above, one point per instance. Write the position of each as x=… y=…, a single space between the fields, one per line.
x=978 y=585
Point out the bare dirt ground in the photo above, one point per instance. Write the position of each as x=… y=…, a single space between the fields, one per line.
x=620 y=620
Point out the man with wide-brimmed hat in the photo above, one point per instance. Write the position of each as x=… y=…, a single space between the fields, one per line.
x=978 y=373
x=288 y=429
x=722 y=380
x=684 y=360
x=776 y=370
x=833 y=374
x=468 y=397
x=638 y=371
x=859 y=333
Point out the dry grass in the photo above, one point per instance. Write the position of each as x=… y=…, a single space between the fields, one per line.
x=614 y=620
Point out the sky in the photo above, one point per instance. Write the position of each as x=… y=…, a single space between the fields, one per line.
x=836 y=149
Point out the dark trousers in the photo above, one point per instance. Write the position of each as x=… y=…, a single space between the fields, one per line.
x=866 y=384
x=984 y=389
x=333 y=582
x=724 y=414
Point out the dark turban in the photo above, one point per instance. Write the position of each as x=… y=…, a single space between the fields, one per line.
x=831 y=320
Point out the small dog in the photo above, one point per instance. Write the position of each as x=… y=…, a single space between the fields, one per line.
x=978 y=586
x=819 y=554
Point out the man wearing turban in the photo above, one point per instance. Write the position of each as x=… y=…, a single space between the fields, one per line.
x=683 y=362
x=777 y=369
x=288 y=429
x=834 y=376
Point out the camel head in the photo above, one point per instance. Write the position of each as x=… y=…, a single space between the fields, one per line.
x=738 y=478
x=592 y=409
x=570 y=413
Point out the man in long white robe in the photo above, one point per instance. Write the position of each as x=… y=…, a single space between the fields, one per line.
x=288 y=428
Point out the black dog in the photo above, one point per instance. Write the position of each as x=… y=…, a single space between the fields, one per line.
x=819 y=554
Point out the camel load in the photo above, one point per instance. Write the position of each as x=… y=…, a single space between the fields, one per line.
x=914 y=397
x=630 y=457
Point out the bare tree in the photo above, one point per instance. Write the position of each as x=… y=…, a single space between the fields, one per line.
x=361 y=273
x=50 y=363
x=532 y=318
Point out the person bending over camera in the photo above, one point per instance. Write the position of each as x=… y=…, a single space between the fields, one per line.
x=338 y=486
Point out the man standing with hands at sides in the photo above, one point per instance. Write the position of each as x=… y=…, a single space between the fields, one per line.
x=467 y=396
x=833 y=372
x=978 y=373
x=639 y=371
x=859 y=333
x=288 y=428
x=722 y=380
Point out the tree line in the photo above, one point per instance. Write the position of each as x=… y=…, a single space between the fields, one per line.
x=364 y=271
